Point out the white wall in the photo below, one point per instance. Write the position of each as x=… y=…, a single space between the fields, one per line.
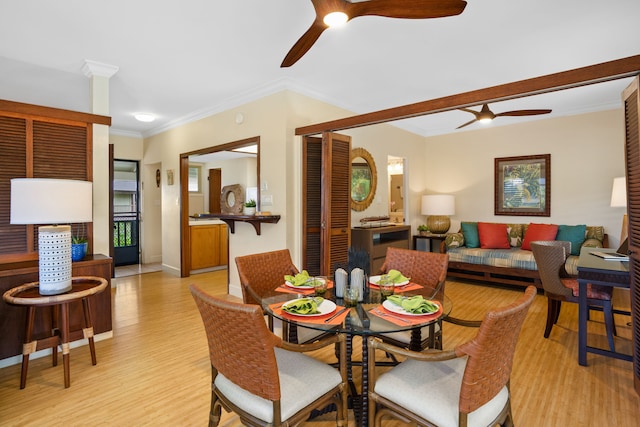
x=587 y=152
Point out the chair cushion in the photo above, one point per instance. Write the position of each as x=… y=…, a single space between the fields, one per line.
x=593 y=291
x=431 y=390
x=402 y=336
x=303 y=379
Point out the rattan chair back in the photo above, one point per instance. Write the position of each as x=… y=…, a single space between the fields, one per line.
x=491 y=353
x=241 y=347
x=424 y=268
x=550 y=257
x=263 y=272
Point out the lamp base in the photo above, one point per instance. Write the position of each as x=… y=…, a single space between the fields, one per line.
x=54 y=259
x=438 y=224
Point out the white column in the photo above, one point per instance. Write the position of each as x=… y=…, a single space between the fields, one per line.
x=99 y=75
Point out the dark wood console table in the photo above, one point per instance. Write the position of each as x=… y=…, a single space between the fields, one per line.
x=12 y=318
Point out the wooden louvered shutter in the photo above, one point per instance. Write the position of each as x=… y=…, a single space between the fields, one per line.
x=327 y=202
x=336 y=209
x=311 y=195
x=13 y=164
x=33 y=148
x=631 y=98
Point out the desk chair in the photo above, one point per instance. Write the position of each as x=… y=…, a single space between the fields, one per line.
x=559 y=286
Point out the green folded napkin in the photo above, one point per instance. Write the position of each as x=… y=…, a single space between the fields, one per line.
x=299 y=279
x=393 y=276
x=415 y=304
x=303 y=306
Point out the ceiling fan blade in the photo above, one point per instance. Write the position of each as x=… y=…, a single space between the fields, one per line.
x=304 y=43
x=467 y=124
x=475 y=113
x=407 y=9
x=523 y=113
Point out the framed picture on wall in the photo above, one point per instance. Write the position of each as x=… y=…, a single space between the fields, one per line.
x=523 y=185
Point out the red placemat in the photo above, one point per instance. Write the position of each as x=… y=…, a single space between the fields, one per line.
x=404 y=320
x=320 y=320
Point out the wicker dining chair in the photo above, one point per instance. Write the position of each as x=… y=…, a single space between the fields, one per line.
x=260 y=377
x=558 y=286
x=428 y=269
x=260 y=274
x=465 y=386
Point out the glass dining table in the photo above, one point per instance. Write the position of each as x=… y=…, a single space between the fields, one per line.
x=373 y=316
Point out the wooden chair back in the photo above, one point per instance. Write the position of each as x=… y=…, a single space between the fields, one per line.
x=424 y=268
x=550 y=257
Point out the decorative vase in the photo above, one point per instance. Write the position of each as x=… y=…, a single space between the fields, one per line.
x=78 y=251
x=249 y=211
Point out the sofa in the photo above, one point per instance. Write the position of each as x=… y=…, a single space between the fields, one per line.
x=501 y=253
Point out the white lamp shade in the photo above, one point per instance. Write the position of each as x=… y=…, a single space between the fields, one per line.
x=619 y=193
x=51 y=201
x=438 y=204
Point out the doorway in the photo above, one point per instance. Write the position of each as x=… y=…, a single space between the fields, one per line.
x=397 y=186
x=126 y=212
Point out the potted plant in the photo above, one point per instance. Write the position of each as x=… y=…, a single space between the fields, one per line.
x=250 y=207
x=79 y=245
x=423 y=230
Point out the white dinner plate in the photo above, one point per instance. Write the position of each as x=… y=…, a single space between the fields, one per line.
x=291 y=285
x=399 y=310
x=326 y=307
x=375 y=279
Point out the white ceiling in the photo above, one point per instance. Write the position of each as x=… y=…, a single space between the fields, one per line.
x=182 y=60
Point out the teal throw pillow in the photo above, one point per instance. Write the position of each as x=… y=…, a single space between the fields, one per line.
x=470 y=232
x=574 y=234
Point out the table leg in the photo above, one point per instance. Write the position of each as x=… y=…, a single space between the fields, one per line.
x=55 y=330
x=364 y=417
x=65 y=343
x=28 y=347
x=88 y=329
x=582 y=322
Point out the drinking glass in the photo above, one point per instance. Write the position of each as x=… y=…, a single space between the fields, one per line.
x=351 y=295
x=386 y=289
x=320 y=285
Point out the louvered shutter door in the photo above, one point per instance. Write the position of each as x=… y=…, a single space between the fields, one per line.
x=631 y=99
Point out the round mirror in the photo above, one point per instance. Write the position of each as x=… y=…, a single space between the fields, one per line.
x=364 y=178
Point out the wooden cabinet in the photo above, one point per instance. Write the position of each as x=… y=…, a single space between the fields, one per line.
x=13 y=317
x=208 y=246
x=376 y=240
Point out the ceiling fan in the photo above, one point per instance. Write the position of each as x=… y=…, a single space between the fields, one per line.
x=344 y=10
x=486 y=115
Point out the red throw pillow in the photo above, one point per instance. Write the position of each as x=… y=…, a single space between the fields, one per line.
x=493 y=235
x=539 y=232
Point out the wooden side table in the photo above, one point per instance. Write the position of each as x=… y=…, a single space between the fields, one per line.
x=28 y=295
x=432 y=238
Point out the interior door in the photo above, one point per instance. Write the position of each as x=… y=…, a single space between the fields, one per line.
x=215 y=188
x=631 y=99
x=327 y=202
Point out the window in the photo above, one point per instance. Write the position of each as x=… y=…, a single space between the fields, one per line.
x=194 y=179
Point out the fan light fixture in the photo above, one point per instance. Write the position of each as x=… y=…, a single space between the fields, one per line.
x=335 y=19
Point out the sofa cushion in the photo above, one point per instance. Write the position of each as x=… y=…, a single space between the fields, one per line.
x=516 y=233
x=513 y=258
x=592 y=243
x=539 y=232
x=595 y=232
x=454 y=240
x=493 y=235
x=574 y=234
x=470 y=232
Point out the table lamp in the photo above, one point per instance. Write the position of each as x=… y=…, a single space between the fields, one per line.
x=52 y=201
x=438 y=207
x=619 y=200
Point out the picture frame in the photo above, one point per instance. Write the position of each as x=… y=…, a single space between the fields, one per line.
x=523 y=185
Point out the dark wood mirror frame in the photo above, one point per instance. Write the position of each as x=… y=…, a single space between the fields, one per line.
x=360 y=205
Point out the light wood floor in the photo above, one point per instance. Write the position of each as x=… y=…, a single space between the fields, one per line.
x=155 y=370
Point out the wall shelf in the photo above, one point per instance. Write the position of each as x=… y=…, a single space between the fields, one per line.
x=255 y=220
